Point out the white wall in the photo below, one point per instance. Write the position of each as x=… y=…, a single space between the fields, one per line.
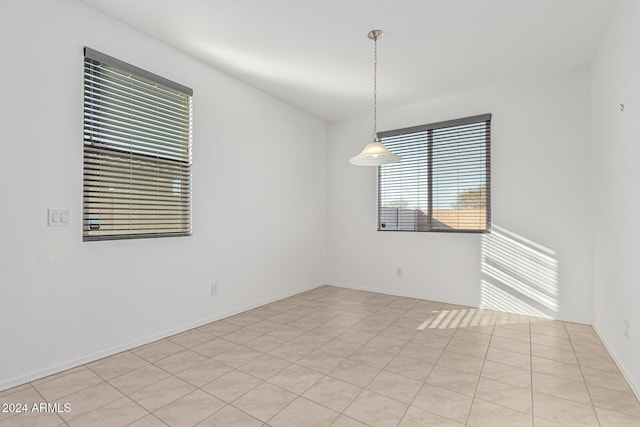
x=616 y=150
x=258 y=200
x=540 y=193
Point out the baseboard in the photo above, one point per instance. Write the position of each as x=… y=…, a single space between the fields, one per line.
x=395 y=293
x=23 y=379
x=616 y=359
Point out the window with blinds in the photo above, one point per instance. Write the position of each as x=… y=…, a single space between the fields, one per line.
x=137 y=152
x=443 y=181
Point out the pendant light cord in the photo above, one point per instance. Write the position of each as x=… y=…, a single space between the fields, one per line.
x=375 y=89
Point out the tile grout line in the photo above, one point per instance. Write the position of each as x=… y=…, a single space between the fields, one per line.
x=593 y=406
x=444 y=349
x=381 y=370
x=116 y=388
x=427 y=375
x=174 y=375
x=512 y=367
x=297 y=395
x=300 y=395
x=533 y=416
x=484 y=359
x=45 y=400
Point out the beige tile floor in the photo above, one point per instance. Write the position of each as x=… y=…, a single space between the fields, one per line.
x=345 y=358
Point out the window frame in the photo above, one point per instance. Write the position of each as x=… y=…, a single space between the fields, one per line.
x=153 y=161
x=429 y=128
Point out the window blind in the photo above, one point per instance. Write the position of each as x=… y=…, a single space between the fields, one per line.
x=443 y=181
x=137 y=152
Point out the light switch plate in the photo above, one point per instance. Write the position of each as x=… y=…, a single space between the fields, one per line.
x=58 y=217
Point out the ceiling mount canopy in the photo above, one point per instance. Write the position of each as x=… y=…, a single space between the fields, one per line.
x=375 y=35
x=375 y=153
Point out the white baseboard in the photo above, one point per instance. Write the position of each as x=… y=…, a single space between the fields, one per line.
x=473 y=304
x=32 y=376
x=395 y=293
x=616 y=359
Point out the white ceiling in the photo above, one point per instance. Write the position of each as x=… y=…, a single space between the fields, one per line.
x=314 y=54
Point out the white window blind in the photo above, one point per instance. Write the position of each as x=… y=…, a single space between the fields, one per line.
x=137 y=152
x=443 y=181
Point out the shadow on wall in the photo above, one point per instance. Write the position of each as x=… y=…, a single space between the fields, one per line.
x=518 y=275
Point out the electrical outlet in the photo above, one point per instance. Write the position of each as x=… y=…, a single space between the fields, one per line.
x=398 y=271
x=626 y=328
x=214 y=288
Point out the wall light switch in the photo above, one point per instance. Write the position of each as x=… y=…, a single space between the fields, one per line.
x=58 y=217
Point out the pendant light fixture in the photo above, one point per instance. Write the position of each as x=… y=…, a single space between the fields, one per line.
x=375 y=153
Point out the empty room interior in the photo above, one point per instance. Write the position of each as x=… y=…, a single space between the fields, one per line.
x=252 y=213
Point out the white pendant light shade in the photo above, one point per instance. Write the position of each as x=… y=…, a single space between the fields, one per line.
x=374 y=154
